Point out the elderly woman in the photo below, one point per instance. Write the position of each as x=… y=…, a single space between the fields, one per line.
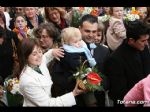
x=32 y=18
x=47 y=35
x=56 y=15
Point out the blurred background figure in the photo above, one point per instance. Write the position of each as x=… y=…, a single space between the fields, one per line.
x=8 y=40
x=32 y=17
x=21 y=28
x=56 y=15
x=17 y=11
x=106 y=10
x=7 y=16
x=116 y=31
x=142 y=12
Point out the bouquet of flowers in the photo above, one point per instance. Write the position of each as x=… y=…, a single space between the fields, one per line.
x=104 y=18
x=78 y=12
x=89 y=78
x=12 y=85
x=14 y=98
x=133 y=15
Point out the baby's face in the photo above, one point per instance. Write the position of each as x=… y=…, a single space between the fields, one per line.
x=76 y=42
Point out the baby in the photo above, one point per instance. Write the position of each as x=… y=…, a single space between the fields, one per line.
x=76 y=52
x=116 y=31
x=72 y=43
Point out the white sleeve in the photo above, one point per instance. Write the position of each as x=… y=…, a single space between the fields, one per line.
x=38 y=97
x=47 y=57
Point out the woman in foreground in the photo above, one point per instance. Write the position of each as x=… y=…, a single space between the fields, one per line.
x=35 y=80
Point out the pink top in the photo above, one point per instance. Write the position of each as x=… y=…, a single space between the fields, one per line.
x=139 y=94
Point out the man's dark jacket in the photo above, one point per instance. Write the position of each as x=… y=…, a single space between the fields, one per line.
x=124 y=68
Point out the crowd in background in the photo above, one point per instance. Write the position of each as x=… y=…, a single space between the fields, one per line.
x=116 y=38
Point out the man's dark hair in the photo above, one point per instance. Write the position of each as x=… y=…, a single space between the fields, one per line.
x=90 y=18
x=134 y=29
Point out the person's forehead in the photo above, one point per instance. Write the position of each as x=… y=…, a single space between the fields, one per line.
x=28 y=8
x=143 y=37
x=89 y=25
x=53 y=11
x=44 y=31
x=20 y=18
x=36 y=48
x=18 y=7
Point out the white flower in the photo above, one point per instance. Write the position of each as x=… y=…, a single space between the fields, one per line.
x=103 y=18
x=89 y=69
x=83 y=75
x=76 y=74
x=132 y=17
x=87 y=10
x=84 y=82
x=75 y=8
x=15 y=89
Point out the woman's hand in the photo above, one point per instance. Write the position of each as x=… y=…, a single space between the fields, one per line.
x=58 y=53
x=77 y=90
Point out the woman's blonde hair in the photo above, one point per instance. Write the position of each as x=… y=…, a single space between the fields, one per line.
x=69 y=33
x=47 y=10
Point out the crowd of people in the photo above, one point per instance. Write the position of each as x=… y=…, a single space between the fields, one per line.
x=43 y=46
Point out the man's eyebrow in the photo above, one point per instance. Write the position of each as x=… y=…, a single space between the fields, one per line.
x=90 y=30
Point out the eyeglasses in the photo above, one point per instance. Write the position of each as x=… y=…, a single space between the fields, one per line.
x=53 y=13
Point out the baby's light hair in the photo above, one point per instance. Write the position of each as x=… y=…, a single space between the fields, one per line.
x=69 y=33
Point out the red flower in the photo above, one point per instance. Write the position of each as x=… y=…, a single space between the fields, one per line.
x=94 y=12
x=94 y=78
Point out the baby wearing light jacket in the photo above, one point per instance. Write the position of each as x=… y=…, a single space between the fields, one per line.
x=116 y=31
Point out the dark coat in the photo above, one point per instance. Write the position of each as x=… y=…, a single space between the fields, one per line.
x=62 y=72
x=124 y=68
x=100 y=55
x=6 y=54
x=29 y=24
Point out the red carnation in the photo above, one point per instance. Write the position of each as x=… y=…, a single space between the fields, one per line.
x=94 y=78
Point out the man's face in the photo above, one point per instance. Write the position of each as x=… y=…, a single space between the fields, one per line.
x=141 y=42
x=19 y=10
x=88 y=31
